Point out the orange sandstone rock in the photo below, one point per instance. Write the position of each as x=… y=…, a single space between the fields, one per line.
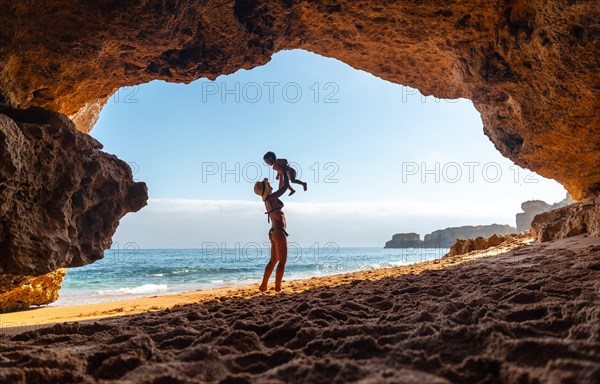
x=572 y=220
x=21 y=292
x=510 y=240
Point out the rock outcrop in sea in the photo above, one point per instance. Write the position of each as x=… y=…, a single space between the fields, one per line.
x=405 y=240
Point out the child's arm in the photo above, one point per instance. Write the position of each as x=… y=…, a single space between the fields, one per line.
x=280 y=167
x=281 y=164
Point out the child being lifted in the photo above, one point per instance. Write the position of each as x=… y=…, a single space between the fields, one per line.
x=282 y=166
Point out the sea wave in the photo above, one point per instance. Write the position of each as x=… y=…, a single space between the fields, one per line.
x=398 y=263
x=139 y=290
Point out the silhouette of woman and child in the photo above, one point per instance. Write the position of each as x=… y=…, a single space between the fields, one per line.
x=276 y=217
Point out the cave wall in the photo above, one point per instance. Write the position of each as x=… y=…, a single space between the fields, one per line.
x=61 y=197
x=530 y=67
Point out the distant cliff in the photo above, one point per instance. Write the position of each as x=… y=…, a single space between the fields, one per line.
x=445 y=238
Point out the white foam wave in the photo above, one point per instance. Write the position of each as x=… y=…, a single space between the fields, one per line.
x=398 y=263
x=139 y=290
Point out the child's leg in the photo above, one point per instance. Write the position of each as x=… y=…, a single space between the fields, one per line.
x=292 y=190
x=302 y=183
x=291 y=174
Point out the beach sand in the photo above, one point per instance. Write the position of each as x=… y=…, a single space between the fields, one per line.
x=521 y=315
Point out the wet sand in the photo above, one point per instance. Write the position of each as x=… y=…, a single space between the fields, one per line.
x=531 y=313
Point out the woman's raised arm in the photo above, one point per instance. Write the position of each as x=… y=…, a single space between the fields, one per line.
x=283 y=188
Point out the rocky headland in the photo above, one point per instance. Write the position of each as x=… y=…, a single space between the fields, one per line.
x=445 y=238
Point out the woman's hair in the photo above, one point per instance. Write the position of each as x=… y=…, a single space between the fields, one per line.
x=270 y=155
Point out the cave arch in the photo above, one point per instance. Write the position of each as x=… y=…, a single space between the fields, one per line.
x=525 y=65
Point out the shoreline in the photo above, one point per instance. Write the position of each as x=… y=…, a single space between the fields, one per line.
x=191 y=271
x=35 y=318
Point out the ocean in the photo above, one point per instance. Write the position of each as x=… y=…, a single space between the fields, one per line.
x=134 y=273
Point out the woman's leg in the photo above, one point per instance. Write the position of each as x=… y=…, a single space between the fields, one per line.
x=270 y=264
x=282 y=250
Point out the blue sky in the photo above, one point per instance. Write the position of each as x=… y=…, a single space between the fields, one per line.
x=362 y=143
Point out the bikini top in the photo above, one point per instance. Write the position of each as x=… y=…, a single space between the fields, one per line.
x=269 y=211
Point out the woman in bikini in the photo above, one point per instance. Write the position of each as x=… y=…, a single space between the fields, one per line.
x=277 y=233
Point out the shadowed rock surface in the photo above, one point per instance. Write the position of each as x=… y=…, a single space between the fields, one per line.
x=61 y=197
x=529 y=66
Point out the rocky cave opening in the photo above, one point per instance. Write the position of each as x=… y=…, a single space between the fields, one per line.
x=525 y=65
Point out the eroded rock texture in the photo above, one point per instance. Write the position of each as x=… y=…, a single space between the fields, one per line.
x=20 y=292
x=532 y=208
x=462 y=247
x=572 y=220
x=61 y=197
x=530 y=67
